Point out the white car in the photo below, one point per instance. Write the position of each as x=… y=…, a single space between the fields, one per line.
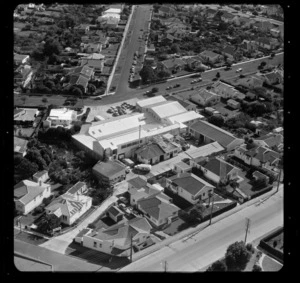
x=239 y=70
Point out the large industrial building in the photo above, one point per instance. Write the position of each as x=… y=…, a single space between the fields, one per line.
x=118 y=137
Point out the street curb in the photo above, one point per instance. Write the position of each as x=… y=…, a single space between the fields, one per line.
x=33 y=259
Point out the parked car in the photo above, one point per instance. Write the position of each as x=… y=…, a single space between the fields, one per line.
x=143 y=167
x=239 y=70
x=227 y=68
x=169 y=87
x=177 y=85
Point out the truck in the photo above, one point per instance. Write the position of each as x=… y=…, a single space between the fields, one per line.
x=143 y=167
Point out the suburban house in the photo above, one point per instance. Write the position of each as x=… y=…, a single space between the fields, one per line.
x=78 y=189
x=271 y=140
x=20 y=146
x=205 y=97
x=275 y=32
x=80 y=76
x=110 y=172
x=252 y=82
x=62 y=117
x=95 y=61
x=115 y=213
x=28 y=195
x=182 y=167
x=41 y=176
x=207 y=133
x=194 y=63
x=229 y=51
x=217 y=169
x=158 y=209
x=69 y=207
x=82 y=28
x=272 y=78
x=248 y=45
x=264 y=43
x=209 y=56
x=258 y=156
x=91 y=48
x=25 y=116
x=227 y=17
x=258 y=176
x=20 y=59
x=197 y=153
x=172 y=65
x=137 y=183
x=224 y=90
x=166 y=11
x=190 y=187
x=116 y=240
x=139 y=193
x=233 y=104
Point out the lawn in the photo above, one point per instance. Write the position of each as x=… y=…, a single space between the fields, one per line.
x=176 y=226
x=28 y=238
x=269 y=264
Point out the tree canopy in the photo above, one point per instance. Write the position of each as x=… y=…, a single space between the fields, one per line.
x=218 y=266
x=237 y=256
x=147 y=74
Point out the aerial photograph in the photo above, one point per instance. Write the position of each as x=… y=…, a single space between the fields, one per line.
x=148 y=138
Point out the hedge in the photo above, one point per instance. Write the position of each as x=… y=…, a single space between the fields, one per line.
x=261 y=192
x=220 y=211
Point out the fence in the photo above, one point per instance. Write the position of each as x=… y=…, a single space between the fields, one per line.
x=220 y=211
x=278 y=255
x=263 y=191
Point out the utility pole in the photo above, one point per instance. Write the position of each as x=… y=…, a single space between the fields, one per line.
x=165 y=266
x=247 y=228
x=131 y=248
x=212 y=206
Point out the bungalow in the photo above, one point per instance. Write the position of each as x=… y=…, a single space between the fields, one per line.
x=224 y=90
x=167 y=39
x=116 y=240
x=172 y=65
x=41 y=176
x=28 y=195
x=158 y=209
x=205 y=97
x=233 y=104
x=166 y=11
x=95 y=61
x=271 y=140
x=137 y=194
x=229 y=51
x=182 y=167
x=137 y=183
x=275 y=32
x=258 y=176
x=109 y=172
x=91 y=48
x=62 y=117
x=248 y=45
x=227 y=17
x=20 y=59
x=69 y=207
x=115 y=213
x=252 y=82
x=78 y=189
x=258 y=156
x=194 y=63
x=264 y=43
x=82 y=28
x=149 y=154
x=209 y=56
x=190 y=187
x=26 y=116
x=112 y=22
x=20 y=146
x=208 y=133
x=151 y=48
x=80 y=76
x=272 y=78
x=217 y=169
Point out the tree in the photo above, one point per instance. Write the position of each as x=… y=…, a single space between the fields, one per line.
x=91 y=88
x=218 y=75
x=237 y=256
x=26 y=168
x=147 y=74
x=44 y=99
x=52 y=47
x=218 y=266
x=256 y=268
x=48 y=223
x=217 y=120
x=76 y=91
x=155 y=89
x=175 y=48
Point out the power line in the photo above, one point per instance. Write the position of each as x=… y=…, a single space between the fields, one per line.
x=247 y=228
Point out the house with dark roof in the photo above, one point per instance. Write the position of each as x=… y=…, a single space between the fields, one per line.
x=257 y=156
x=172 y=65
x=217 y=169
x=28 y=195
x=136 y=194
x=210 y=56
x=110 y=172
x=158 y=209
x=137 y=183
x=271 y=140
x=190 y=187
x=80 y=76
x=115 y=213
x=264 y=43
x=273 y=78
x=233 y=104
x=208 y=133
x=69 y=207
x=149 y=154
x=229 y=51
x=116 y=240
x=20 y=146
x=78 y=189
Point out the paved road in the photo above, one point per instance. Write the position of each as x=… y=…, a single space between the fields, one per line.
x=209 y=245
x=140 y=17
x=185 y=82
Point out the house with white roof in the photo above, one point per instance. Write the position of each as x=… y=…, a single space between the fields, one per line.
x=224 y=90
x=69 y=207
x=116 y=240
x=119 y=137
x=28 y=195
x=204 y=97
x=61 y=117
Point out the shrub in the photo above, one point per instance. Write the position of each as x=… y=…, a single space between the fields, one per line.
x=38 y=210
x=250 y=248
x=92 y=226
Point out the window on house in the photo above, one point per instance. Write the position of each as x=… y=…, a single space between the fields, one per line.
x=95 y=244
x=100 y=245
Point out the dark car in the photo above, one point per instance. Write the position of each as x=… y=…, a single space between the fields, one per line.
x=177 y=85
x=227 y=68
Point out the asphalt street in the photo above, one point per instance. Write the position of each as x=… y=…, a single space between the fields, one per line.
x=195 y=253
x=185 y=82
